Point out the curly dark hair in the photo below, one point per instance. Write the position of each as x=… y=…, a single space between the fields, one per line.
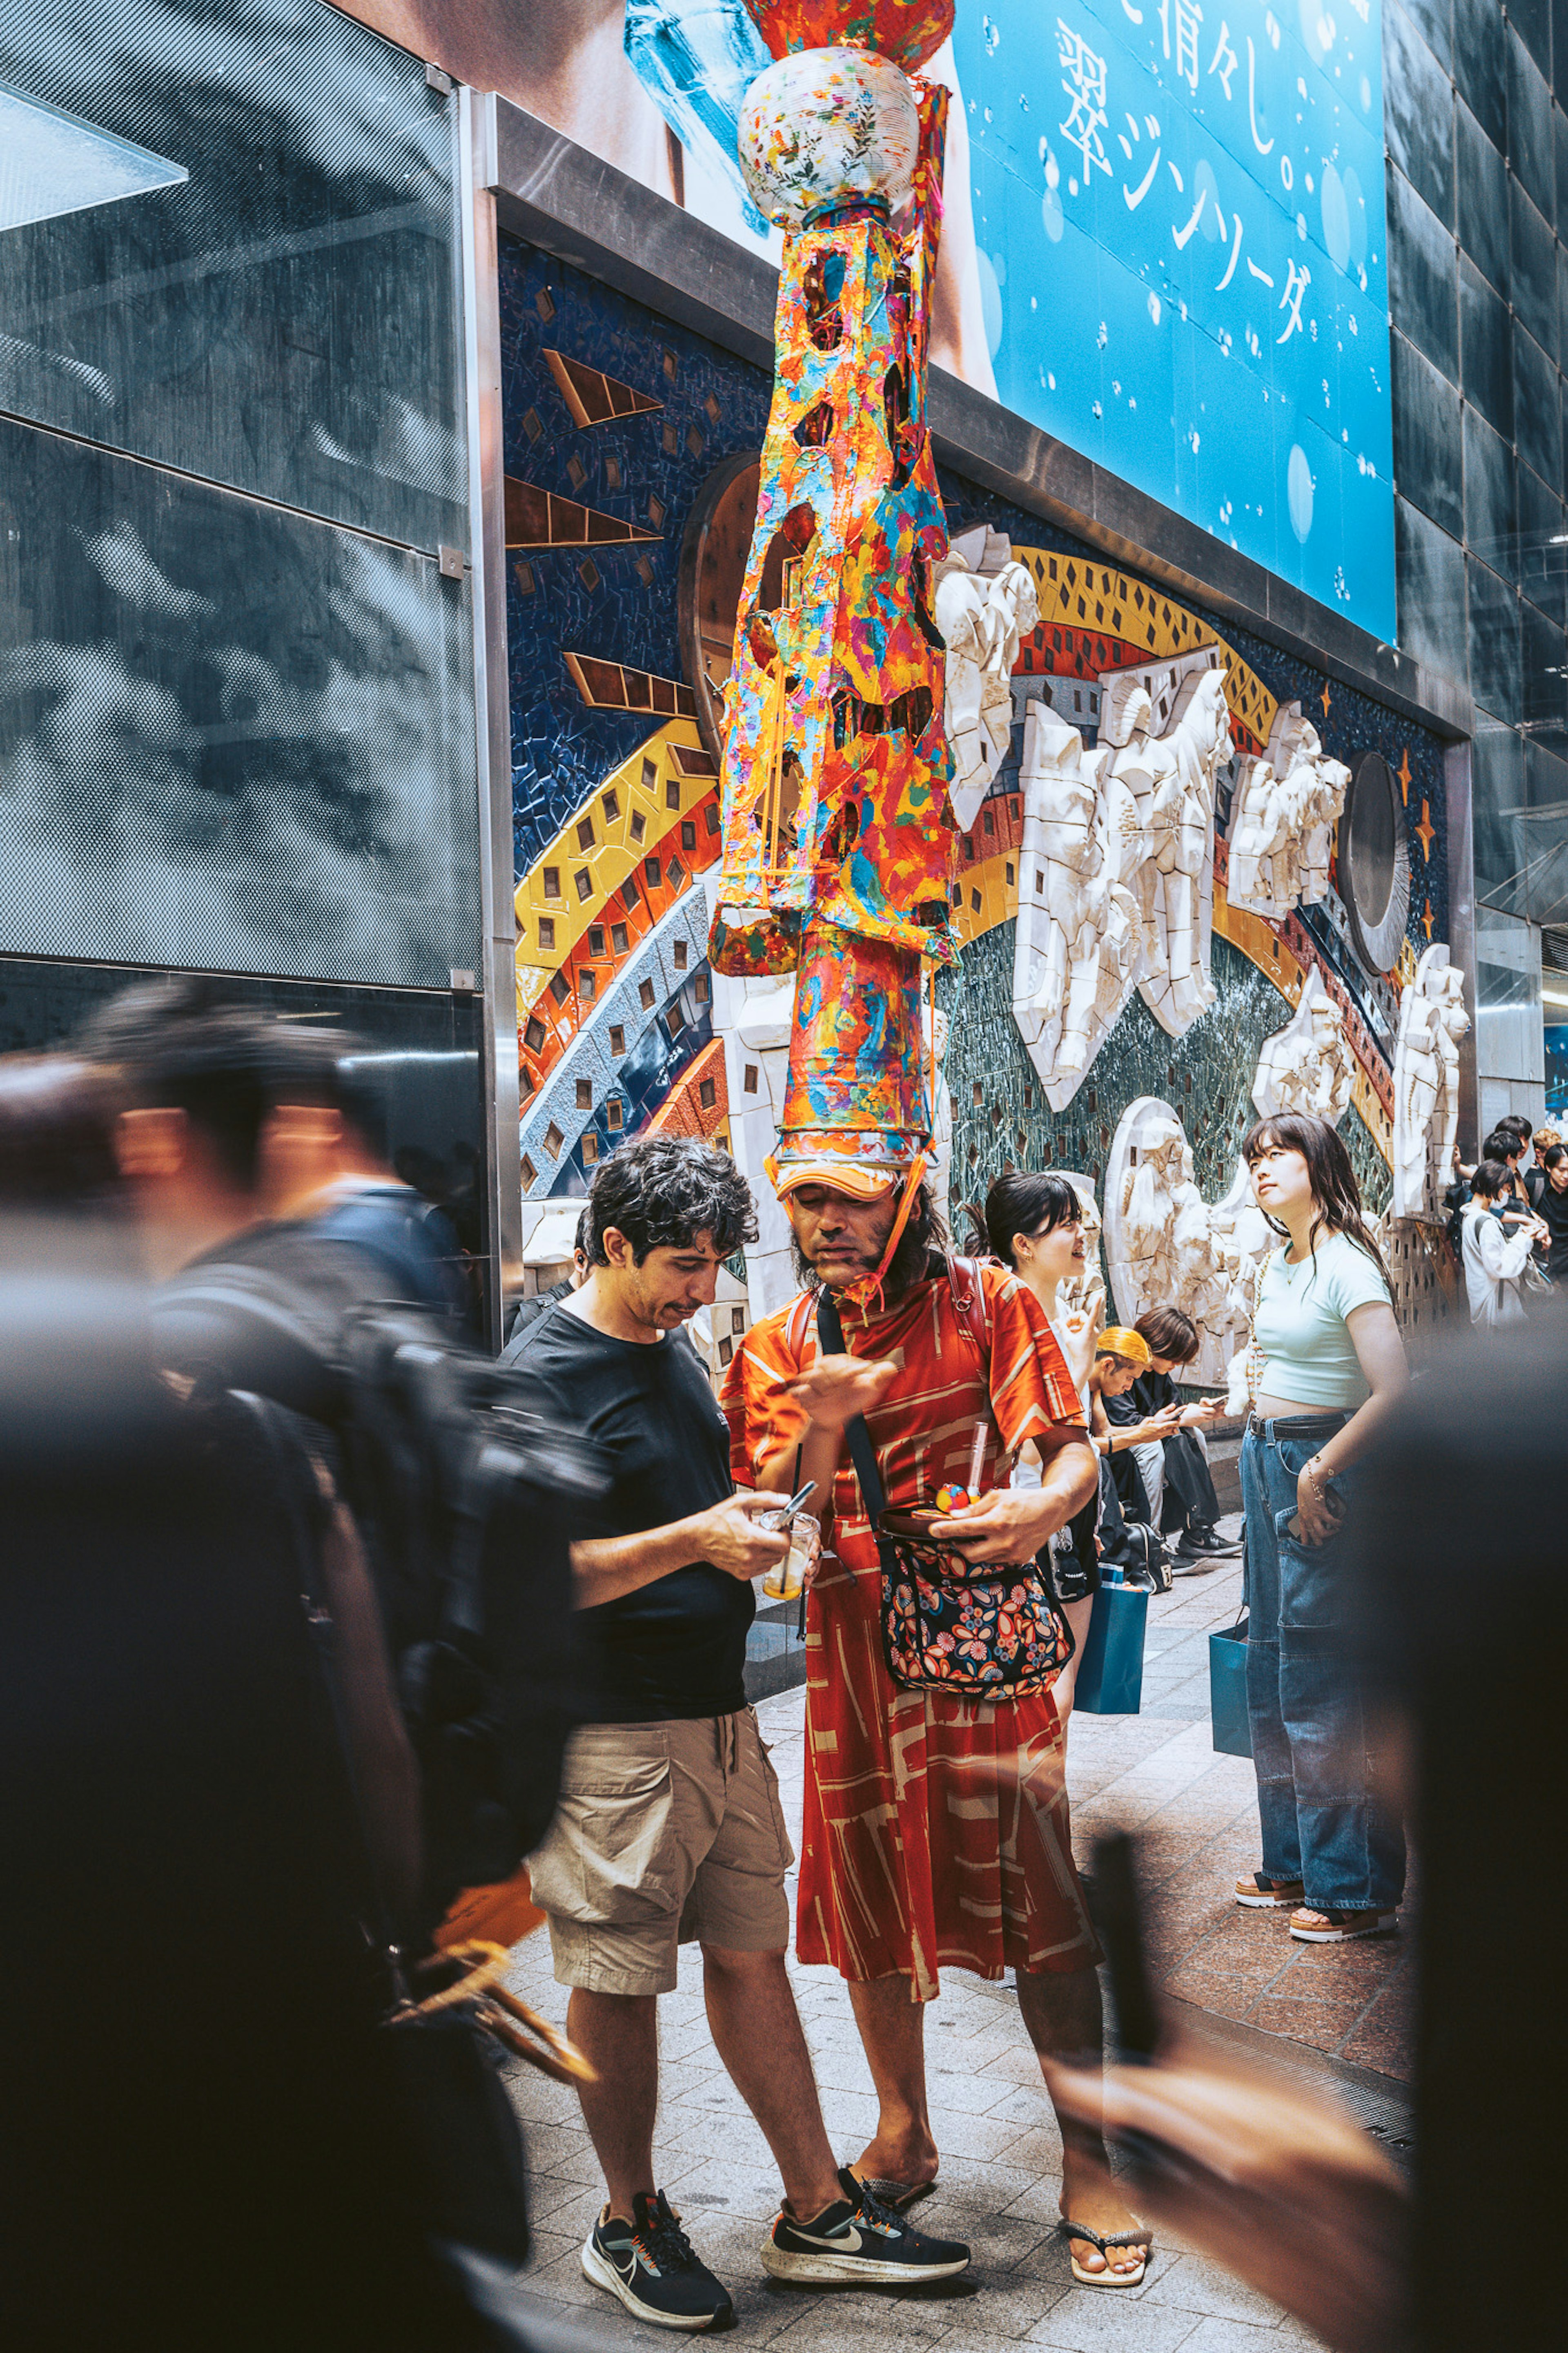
x=661 y=1192
x=924 y=1234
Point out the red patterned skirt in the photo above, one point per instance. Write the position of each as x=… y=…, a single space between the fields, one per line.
x=936 y=1830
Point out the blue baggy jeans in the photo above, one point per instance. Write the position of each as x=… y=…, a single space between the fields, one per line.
x=1325 y=1813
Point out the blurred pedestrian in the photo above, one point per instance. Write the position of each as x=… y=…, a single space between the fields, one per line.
x=936 y=1825
x=1496 y=1255
x=669 y=1828
x=1462 y=1496
x=58 y=1121
x=176 y=1798
x=260 y=1139
x=1326 y=1368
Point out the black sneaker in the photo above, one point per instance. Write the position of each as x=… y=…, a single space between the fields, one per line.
x=1210 y=1541
x=652 y=2266
x=857 y=2242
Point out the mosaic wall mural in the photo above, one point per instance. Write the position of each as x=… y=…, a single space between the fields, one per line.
x=622 y=429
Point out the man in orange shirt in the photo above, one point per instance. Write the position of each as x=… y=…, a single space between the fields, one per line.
x=935 y=1827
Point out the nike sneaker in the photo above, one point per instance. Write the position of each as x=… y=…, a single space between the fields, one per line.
x=858 y=2242
x=651 y=2265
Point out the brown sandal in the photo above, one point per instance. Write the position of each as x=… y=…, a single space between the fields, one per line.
x=1261 y=1894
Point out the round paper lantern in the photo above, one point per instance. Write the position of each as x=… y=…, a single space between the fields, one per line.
x=824 y=127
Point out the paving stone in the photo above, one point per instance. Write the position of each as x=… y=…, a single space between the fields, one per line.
x=1114 y=2320
x=1190 y=2285
x=1004 y=2308
x=882 y=2318
x=1231 y=2336
x=975 y=2136
x=547 y=2195
x=1324 y=2024
x=973 y=2095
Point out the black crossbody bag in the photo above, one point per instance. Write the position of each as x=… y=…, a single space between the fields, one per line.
x=980 y=1631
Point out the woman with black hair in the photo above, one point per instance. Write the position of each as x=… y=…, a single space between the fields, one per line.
x=1034 y=1224
x=1495 y=1252
x=1325 y=1368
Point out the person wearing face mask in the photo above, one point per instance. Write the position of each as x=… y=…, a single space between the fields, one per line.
x=1034 y=1224
x=1325 y=1370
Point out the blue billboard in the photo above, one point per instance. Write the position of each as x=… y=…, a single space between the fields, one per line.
x=1179 y=240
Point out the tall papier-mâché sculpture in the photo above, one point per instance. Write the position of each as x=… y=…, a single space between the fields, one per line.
x=839 y=839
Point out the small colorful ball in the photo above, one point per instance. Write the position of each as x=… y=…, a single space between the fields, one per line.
x=953 y=1499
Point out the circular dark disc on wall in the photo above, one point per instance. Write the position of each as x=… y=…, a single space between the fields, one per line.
x=1375 y=863
x=712 y=566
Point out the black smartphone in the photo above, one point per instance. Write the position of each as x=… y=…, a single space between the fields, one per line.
x=1117 y=1905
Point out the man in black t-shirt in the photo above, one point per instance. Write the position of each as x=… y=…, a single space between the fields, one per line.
x=669 y=1827
x=1552 y=1208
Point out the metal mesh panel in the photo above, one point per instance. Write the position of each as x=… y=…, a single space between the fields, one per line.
x=284 y=319
x=230 y=736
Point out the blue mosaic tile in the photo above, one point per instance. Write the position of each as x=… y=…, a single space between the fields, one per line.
x=714 y=406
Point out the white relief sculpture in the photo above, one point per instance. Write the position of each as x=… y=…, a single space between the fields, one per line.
x=1181 y=838
x=1116 y=886
x=1432 y=1020
x=1308 y=1066
x=1164 y=1244
x=1078 y=938
x=1282 y=821
x=982 y=620
x=1084 y=1293
x=939 y=1169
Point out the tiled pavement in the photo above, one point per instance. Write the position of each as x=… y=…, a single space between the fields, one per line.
x=1000 y=2149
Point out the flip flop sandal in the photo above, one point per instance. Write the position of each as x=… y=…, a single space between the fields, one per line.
x=1340 y=1928
x=1108 y=2278
x=1261 y=1894
x=899 y=2195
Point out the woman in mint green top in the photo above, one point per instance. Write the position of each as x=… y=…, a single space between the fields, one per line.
x=1326 y=1366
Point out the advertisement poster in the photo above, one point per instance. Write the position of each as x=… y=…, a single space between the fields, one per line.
x=1165 y=238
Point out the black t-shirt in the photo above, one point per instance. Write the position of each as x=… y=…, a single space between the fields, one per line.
x=1151 y=1393
x=1553 y=1211
x=678 y=1647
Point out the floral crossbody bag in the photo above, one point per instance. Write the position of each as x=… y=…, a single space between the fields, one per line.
x=984 y=1630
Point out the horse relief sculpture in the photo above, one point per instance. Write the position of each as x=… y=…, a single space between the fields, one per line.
x=1165 y=1244
x=1432 y=1020
x=982 y=620
x=1115 y=889
x=1308 y=1066
x=1282 y=821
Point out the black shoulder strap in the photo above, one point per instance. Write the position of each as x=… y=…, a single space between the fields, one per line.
x=862 y=1453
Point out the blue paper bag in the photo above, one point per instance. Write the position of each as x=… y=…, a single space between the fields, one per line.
x=1111 y=1677
x=1228 y=1691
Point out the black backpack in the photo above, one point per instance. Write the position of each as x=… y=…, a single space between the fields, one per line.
x=468 y=1495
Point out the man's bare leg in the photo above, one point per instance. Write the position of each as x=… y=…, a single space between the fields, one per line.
x=757 y=2033
x=1062 y=2015
x=892 y=2030
x=618 y=2034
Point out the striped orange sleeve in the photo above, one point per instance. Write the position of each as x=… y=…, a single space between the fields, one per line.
x=761 y=1416
x=1031 y=1392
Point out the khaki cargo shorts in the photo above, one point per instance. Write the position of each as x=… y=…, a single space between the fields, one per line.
x=665 y=1833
